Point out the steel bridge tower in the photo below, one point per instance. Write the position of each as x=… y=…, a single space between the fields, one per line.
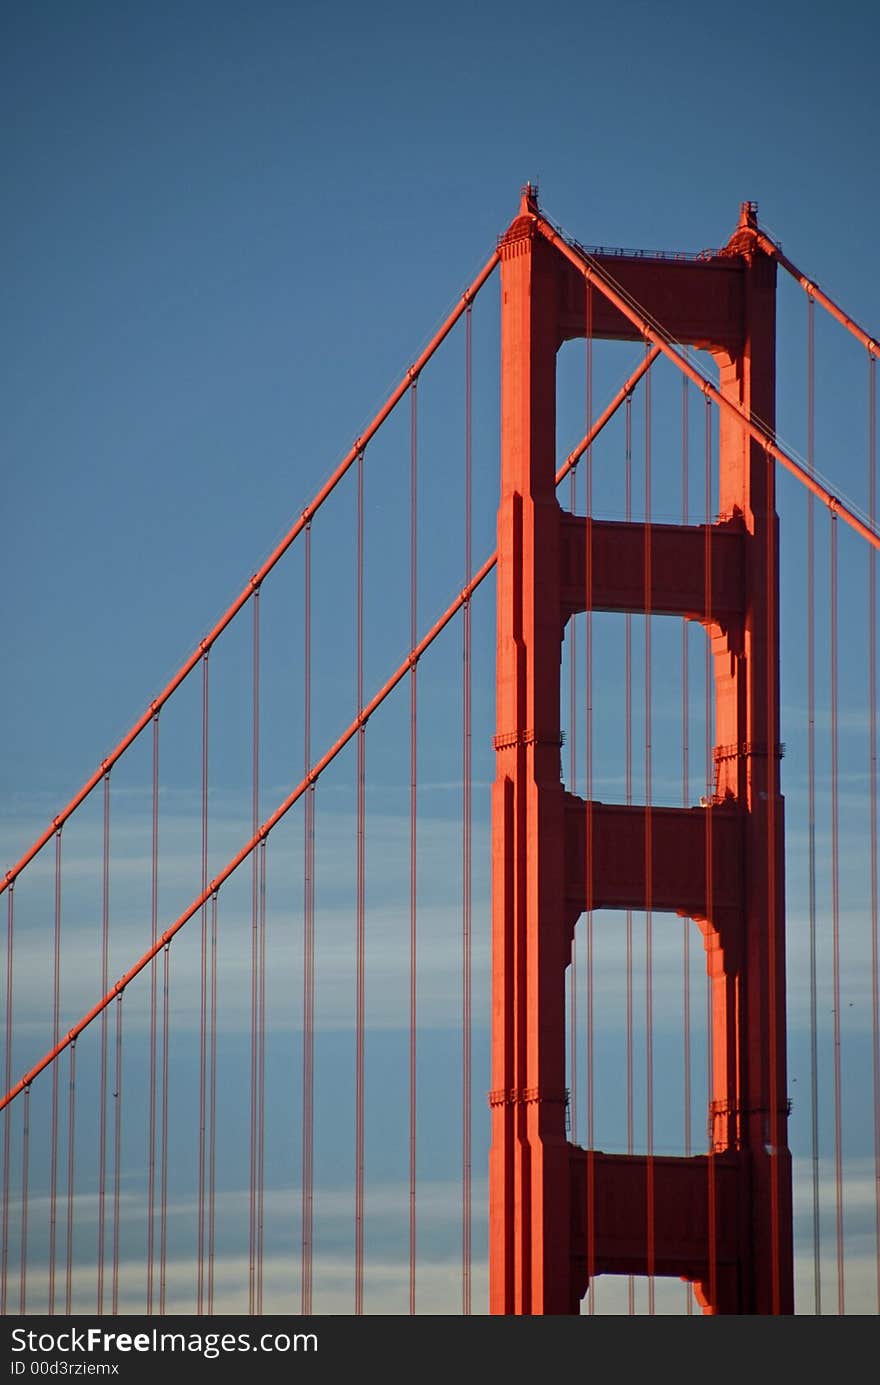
x=560 y=1214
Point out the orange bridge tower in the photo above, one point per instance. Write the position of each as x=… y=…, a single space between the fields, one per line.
x=560 y=1214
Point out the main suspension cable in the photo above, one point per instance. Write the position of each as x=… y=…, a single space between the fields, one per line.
x=814 y=292
x=321 y=764
x=354 y=452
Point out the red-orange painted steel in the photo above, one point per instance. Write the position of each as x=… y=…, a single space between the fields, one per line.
x=722 y=1220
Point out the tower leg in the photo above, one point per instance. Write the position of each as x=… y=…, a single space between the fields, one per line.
x=529 y=1211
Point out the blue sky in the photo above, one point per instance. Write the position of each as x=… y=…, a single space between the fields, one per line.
x=231 y=227
x=229 y=230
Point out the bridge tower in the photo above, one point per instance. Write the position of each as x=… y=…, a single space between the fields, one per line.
x=558 y=1213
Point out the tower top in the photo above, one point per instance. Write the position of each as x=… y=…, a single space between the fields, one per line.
x=528 y=199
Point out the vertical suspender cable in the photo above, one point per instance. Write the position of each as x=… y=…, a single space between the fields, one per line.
x=588 y=789
x=630 y=1052
x=835 y=927
x=711 y=1191
x=572 y=788
x=649 y=997
x=56 y=1030
x=163 y=1154
x=811 y=810
x=308 y=1126
x=7 y=1115
x=117 y=1151
x=212 y=1108
x=685 y=796
x=413 y=808
x=255 y=927
x=258 y=1059
x=466 y=887
x=154 y=933
x=773 y=921
x=203 y=1000
x=872 y=790
x=105 y=983
x=360 y=919
x=71 y=1127
x=261 y=1078
x=25 y=1160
